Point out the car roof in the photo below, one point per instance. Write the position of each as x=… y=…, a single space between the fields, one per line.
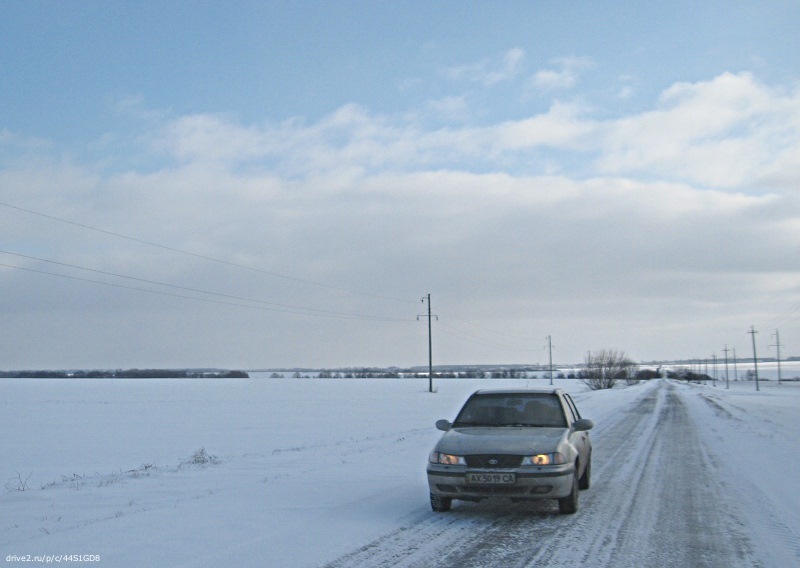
x=519 y=391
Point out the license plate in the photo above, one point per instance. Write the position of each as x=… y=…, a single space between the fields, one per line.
x=491 y=478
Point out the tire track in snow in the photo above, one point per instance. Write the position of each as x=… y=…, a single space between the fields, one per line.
x=424 y=542
x=681 y=518
x=493 y=533
x=572 y=540
x=654 y=501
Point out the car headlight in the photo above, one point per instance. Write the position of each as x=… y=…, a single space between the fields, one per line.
x=446 y=459
x=556 y=458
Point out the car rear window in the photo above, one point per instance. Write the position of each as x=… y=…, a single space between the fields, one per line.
x=527 y=409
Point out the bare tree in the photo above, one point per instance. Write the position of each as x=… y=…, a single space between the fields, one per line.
x=602 y=369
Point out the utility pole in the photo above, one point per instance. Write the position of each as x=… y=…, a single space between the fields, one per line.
x=550 y=352
x=714 y=355
x=735 y=367
x=727 y=381
x=778 y=345
x=430 y=344
x=753 y=332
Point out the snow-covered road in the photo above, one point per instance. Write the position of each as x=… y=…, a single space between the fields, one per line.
x=658 y=499
x=313 y=473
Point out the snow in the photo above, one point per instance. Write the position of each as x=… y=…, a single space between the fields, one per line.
x=309 y=472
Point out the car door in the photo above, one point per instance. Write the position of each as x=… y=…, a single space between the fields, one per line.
x=579 y=439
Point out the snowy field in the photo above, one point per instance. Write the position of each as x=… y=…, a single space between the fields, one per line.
x=311 y=473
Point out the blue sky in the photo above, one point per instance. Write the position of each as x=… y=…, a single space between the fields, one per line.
x=73 y=62
x=616 y=174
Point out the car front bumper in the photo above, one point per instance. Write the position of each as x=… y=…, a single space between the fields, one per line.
x=549 y=482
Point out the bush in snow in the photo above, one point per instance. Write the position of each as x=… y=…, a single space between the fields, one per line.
x=602 y=369
x=18 y=484
x=201 y=457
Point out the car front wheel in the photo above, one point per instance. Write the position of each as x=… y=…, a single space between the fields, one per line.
x=440 y=504
x=586 y=479
x=569 y=505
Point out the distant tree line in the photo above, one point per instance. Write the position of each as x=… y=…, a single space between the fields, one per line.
x=378 y=373
x=688 y=375
x=126 y=374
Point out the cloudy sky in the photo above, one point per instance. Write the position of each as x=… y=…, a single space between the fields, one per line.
x=263 y=184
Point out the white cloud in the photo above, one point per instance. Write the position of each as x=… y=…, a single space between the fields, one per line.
x=14 y=144
x=562 y=126
x=565 y=75
x=625 y=92
x=660 y=217
x=213 y=138
x=453 y=108
x=726 y=132
x=489 y=73
x=730 y=132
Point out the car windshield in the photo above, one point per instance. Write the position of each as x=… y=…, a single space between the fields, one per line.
x=512 y=409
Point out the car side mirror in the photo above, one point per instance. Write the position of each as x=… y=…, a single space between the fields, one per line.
x=443 y=425
x=582 y=425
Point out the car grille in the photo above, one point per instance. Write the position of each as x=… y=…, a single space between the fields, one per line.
x=497 y=490
x=493 y=461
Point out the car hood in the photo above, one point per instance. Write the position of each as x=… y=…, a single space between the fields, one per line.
x=501 y=440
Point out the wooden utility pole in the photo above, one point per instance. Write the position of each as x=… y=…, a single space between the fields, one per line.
x=727 y=381
x=778 y=345
x=714 y=356
x=753 y=332
x=430 y=345
x=550 y=352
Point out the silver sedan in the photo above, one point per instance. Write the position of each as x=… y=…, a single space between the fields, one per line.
x=521 y=444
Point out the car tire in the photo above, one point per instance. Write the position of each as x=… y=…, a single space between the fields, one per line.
x=440 y=504
x=586 y=479
x=569 y=505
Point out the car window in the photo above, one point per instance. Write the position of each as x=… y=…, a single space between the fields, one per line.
x=571 y=418
x=526 y=409
x=574 y=408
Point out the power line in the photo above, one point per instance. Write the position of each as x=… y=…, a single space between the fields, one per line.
x=285 y=308
x=787 y=316
x=158 y=292
x=466 y=336
x=490 y=330
x=200 y=256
